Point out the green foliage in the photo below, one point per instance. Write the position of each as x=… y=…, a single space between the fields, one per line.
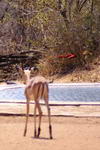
x=7 y=18
x=46 y=3
x=79 y=37
x=58 y=28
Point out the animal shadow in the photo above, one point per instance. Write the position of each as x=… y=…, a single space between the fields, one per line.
x=41 y=138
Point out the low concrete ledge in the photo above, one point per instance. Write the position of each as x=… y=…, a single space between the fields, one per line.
x=54 y=103
x=72 y=110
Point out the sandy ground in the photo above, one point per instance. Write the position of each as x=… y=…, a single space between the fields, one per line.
x=80 y=131
x=69 y=133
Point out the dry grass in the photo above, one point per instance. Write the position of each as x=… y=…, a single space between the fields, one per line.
x=79 y=75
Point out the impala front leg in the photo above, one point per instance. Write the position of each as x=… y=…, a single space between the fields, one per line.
x=35 y=133
x=49 y=119
x=27 y=116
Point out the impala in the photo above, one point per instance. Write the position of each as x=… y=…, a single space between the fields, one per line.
x=36 y=89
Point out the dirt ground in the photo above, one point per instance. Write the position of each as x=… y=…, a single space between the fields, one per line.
x=76 y=132
x=69 y=133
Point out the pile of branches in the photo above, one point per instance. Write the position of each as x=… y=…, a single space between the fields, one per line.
x=8 y=63
x=26 y=58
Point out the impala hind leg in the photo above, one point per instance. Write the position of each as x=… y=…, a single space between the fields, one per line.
x=40 y=117
x=37 y=106
x=49 y=119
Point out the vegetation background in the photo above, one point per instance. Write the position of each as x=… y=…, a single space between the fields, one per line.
x=37 y=32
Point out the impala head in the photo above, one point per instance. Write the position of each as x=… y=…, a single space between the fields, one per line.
x=24 y=74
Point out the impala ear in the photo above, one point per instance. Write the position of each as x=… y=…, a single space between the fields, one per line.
x=32 y=68
x=19 y=70
x=36 y=69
